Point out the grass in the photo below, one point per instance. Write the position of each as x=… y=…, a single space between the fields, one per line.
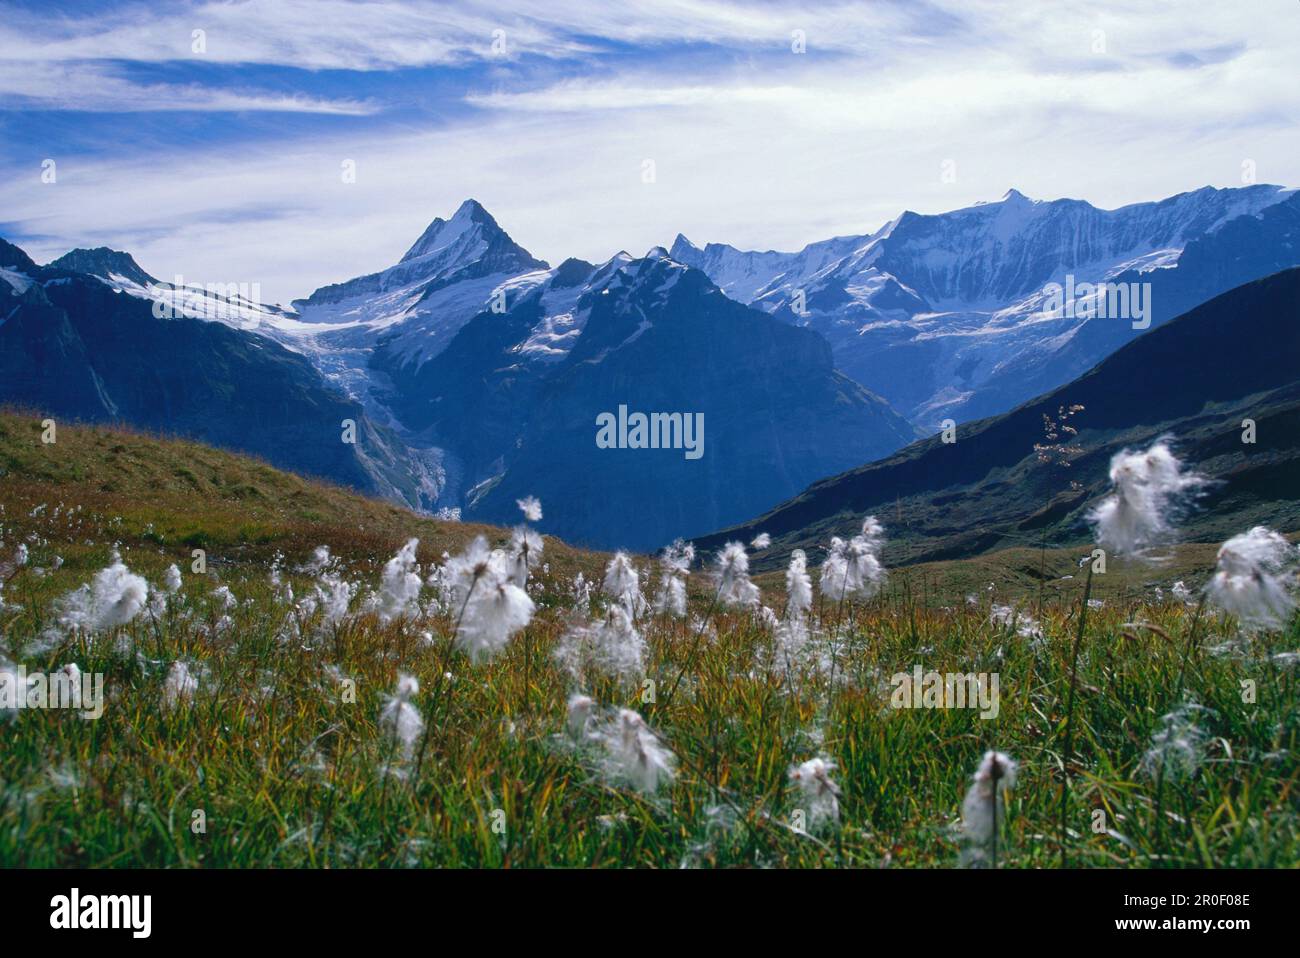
x=289 y=773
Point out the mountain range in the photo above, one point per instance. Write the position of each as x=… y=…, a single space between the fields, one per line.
x=950 y=316
x=1194 y=382
x=475 y=373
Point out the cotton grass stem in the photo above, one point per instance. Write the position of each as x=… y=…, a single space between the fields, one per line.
x=1069 y=713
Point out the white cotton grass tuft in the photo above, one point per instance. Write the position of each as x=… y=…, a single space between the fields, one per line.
x=579 y=711
x=761 y=542
x=172 y=580
x=114 y=597
x=491 y=607
x=613 y=647
x=1149 y=489
x=636 y=755
x=623 y=583
x=179 y=686
x=333 y=596
x=491 y=618
x=1009 y=617
x=525 y=554
x=531 y=508
x=675 y=562
x=798 y=586
x=731 y=572
x=853 y=569
x=462 y=573
x=818 y=794
x=399 y=586
x=225 y=597
x=983 y=808
x=1178 y=746
x=1251 y=579
x=400 y=720
x=790 y=642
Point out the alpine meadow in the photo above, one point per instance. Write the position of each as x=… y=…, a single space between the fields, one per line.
x=367 y=507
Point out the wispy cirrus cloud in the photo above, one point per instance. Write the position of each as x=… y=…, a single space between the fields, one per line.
x=97 y=88
x=768 y=124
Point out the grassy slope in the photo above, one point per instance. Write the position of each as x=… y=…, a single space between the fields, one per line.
x=289 y=774
x=179 y=495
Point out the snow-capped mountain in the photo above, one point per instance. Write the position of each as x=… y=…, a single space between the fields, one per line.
x=77 y=345
x=519 y=395
x=489 y=368
x=930 y=310
x=476 y=372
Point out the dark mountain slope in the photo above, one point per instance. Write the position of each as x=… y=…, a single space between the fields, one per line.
x=1196 y=378
x=521 y=409
x=73 y=347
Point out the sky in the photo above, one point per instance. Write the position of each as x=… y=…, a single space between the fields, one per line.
x=294 y=144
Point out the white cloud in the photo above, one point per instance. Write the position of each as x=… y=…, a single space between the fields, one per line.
x=760 y=151
x=92 y=88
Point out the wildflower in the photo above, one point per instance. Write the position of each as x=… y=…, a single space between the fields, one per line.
x=983 y=806
x=1026 y=625
x=820 y=795
x=113 y=598
x=853 y=569
x=676 y=563
x=320 y=561
x=399 y=589
x=73 y=673
x=732 y=575
x=791 y=638
x=761 y=542
x=798 y=586
x=620 y=649
x=581 y=593
x=579 y=714
x=172 y=579
x=613 y=647
x=525 y=554
x=180 y=686
x=1149 y=486
x=1249 y=580
x=399 y=718
x=623 y=583
x=637 y=755
x=494 y=612
x=333 y=597
x=463 y=572
x=1178 y=746
x=223 y=595
x=531 y=508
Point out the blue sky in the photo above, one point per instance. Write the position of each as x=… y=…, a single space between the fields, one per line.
x=224 y=163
